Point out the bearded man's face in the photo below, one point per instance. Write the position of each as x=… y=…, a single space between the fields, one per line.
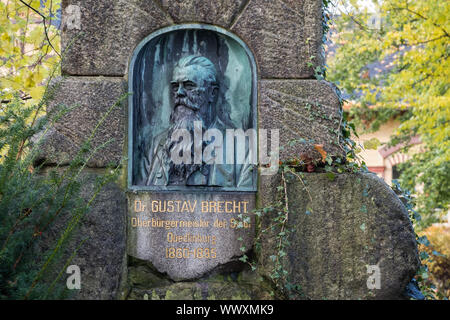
x=190 y=90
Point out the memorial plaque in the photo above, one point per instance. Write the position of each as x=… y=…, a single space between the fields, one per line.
x=188 y=234
x=192 y=150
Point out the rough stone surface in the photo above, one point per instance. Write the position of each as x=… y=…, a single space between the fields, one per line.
x=221 y=13
x=267 y=186
x=109 y=31
x=100 y=256
x=353 y=222
x=302 y=109
x=285 y=35
x=214 y=231
x=145 y=283
x=91 y=99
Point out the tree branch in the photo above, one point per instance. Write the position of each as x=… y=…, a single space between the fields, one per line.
x=44 y=18
x=427 y=41
x=422 y=17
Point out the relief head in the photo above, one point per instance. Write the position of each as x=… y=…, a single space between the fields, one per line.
x=194 y=86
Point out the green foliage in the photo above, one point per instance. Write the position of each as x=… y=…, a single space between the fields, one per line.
x=426 y=250
x=30 y=47
x=413 y=45
x=434 y=201
x=39 y=209
x=375 y=106
x=439 y=261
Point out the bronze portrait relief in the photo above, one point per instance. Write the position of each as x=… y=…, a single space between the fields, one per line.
x=192 y=90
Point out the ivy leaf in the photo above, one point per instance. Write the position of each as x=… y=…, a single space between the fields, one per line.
x=424 y=240
x=438 y=254
x=423 y=255
x=363 y=227
x=372 y=144
x=331 y=176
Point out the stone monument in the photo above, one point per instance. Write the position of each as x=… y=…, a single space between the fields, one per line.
x=186 y=197
x=202 y=76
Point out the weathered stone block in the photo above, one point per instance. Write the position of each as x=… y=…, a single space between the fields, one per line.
x=100 y=257
x=221 y=13
x=91 y=99
x=285 y=35
x=302 y=109
x=100 y=239
x=353 y=222
x=235 y=286
x=109 y=31
x=267 y=186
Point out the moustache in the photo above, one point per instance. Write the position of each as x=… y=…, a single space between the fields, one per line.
x=185 y=103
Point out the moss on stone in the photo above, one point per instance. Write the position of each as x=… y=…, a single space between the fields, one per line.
x=217 y=287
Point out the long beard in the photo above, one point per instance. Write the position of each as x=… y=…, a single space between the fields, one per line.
x=181 y=118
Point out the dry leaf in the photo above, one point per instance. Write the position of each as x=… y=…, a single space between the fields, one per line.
x=323 y=153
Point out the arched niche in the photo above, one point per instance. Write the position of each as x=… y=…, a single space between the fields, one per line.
x=152 y=103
